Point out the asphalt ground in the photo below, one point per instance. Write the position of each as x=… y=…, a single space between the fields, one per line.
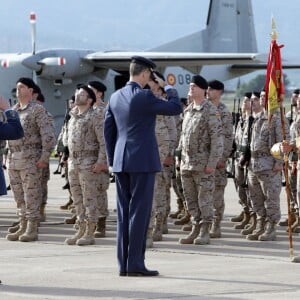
x=229 y=268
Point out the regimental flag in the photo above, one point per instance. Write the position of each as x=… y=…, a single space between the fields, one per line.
x=274 y=79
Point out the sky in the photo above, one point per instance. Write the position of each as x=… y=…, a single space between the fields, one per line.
x=132 y=24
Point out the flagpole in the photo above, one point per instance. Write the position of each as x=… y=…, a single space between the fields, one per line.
x=283 y=125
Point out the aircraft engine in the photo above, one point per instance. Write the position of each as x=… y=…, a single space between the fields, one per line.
x=59 y=64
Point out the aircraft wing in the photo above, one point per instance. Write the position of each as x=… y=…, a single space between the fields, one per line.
x=262 y=66
x=119 y=61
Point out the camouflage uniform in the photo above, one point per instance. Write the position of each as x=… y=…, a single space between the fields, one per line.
x=37 y=144
x=169 y=170
x=86 y=147
x=201 y=145
x=220 y=173
x=176 y=178
x=241 y=140
x=293 y=160
x=46 y=171
x=264 y=183
x=295 y=134
x=164 y=131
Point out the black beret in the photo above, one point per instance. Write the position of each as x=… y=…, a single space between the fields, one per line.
x=27 y=81
x=36 y=89
x=200 y=82
x=256 y=94
x=41 y=97
x=248 y=95
x=99 y=86
x=79 y=85
x=216 y=85
x=89 y=91
x=296 y=91
x=143 y=61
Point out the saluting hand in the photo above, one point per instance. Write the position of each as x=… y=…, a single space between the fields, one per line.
x=161 y=83
x=3 y=103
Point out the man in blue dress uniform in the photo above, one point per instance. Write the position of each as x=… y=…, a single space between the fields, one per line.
x=133 y=154
x=11 y=129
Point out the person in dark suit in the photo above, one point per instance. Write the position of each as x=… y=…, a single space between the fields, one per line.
x=133 y=154
x=11 y=129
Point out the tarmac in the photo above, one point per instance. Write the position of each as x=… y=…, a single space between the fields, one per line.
x=228 y=268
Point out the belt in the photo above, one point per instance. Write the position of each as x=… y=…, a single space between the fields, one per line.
x=13 y=149
x=84 y=153
x=259 y=154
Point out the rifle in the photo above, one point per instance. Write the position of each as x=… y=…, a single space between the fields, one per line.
x=246 y=152
x=235 y=121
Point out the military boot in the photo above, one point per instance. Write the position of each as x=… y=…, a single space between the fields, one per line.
x=79 y=234
x=67 y=205
x=180 y=207
x=203 y=238
x=187 y=227
x=250 y=227
x=42 y=213
x=238 y=218
x=14 y=228
x=296 y=229
x=149 y=239
x=269 y=233
x=215 y=231
x=285 y=221
x=15 y=236
x=15 y=223
x=165 y=229
x=259 y=229
x=100 y=228
x=191 y=237
x=157 y=231
x=71 y=220
x=88 y=237
x=245 y=221
x=31 y=233
x=296 y=223
x=184 y=220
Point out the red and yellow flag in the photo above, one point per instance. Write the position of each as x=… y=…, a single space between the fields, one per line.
x=274 y=79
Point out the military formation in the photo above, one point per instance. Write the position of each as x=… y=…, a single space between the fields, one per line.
x=195 y=150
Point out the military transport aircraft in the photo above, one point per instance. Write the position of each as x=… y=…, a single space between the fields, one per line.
x=227 y=42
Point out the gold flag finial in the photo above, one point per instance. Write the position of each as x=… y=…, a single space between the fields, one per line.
x=273 y=33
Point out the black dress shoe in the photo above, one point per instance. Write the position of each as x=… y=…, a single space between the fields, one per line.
x=123 y=274
x=143 y=273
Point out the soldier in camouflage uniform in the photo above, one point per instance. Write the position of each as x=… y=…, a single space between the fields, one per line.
x=86 y=162
x=27 y=157
x=264 y=171
x=201 y=145
x=214 y=93
x=176 y=178
x=242 y=141
x=165 y=132
x=294 y=150
x=293 y=118
x=39 y=97
x=99 y=90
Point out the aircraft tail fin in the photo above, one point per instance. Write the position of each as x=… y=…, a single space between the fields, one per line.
x=229 y=28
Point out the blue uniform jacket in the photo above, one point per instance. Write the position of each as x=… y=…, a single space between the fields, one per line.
x=129 y=128
x=10 y=130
